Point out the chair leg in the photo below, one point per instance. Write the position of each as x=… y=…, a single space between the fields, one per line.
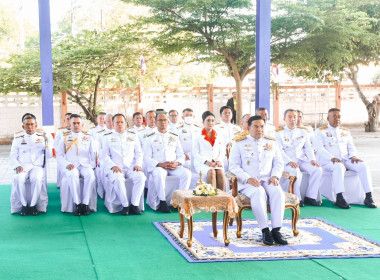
x=231 y=222
x=239 y=222
x=295 y=216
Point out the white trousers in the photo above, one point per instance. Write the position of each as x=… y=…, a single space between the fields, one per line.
x=73 y=182
x=259 y=196
x=315 y=175
x=159 y=175
x=118 y=181
x=35 y=176
x=338 y=170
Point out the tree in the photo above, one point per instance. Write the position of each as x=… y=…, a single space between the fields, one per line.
x=218 y=31
x=80 y=66
x=344 y=36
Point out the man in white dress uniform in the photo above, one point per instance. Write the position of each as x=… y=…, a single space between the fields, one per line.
x=163 y=155
x=28 y=156
x=298 y=155
x=256 y=161
x=225 y=128
x=101 y=124
x=337 y=153
x=77 y=154
x=269 y=128
x=122 y=158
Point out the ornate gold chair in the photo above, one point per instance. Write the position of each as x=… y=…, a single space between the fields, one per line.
x=243 y=202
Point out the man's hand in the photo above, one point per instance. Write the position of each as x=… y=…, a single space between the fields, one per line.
x=70 y=167
x=313 y=162
x=355 y=160
x=254 y=182
x=293 y=164
x=137 y=168
x=116 y=169
x=334 y=160
x=273 y=180
x=171 y=165
x=187 y=157
x=19 y=169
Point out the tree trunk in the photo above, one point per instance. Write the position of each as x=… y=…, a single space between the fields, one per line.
x=239 y=99
x=370 y=126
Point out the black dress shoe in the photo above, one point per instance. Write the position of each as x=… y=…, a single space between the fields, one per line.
x=268 y=238
x=341 y=202
x=368 y=201
x=125 y=211
x=34 y=211
x=277 y=237
x=164 y=208
x=78 y=210
x=24 y=211
x=301 y=203
x=85 y=210
x=311 y=201
x=135 y=210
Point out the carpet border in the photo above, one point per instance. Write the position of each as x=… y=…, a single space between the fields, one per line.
x=187 y=256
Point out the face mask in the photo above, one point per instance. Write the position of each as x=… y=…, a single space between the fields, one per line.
x=189 y=120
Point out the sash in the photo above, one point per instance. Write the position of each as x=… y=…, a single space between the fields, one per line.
x=71 y=144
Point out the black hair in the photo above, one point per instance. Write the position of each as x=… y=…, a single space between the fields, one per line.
x=254 y=118
x=102 y=113
x=289 y=110
x=334 y=110
x=136 y=114
x=171 y=111
x=224 y=108
x=118 y=115
x=29 y=118
x=75 y=116
x=27 y=115
x=207 y=114
x=187 y=110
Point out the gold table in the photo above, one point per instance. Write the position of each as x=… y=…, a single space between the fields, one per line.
x=189 y=204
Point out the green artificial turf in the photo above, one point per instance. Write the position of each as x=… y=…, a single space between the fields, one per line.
x=111 y=246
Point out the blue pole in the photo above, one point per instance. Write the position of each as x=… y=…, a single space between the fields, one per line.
x=263 y=34
x=46 y=65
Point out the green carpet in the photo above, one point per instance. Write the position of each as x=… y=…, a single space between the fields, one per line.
x=111 y=246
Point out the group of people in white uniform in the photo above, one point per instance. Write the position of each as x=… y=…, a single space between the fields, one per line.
x=99 y=162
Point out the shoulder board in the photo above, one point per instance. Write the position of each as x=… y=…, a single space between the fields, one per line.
x=19 y=136
x=279 y=129
x=92 y=127
x=344 y=128
x=84 y=131
x=180 y=126
x=323 y=127
x=100 y=131
x=197 y=125
x=241 y=136
x=18 y=132
x=40 y=130
x=173 y=133
x=67 y=132
x=39 y=134
x=150 y=134
x=302 y=127
x=270 y=138
x=217 y=123
x=131 y=131
x=63 y=127
x=105 y=134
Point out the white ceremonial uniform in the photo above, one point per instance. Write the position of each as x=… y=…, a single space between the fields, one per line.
x=227 y=131
x=99 y=170
x=186 y=134
x=295 y=147
x=60 y=133
x=202 y=151
x=124 y=151
x=95 y=129
x=260 y=159
x=144 y=134
x=79 y=149
x=270 y=130
x=174 y=127
x=337 y=142
x=161 y=147
x=31 y=153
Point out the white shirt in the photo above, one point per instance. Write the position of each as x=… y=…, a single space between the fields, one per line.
x=227 y=131
x=202 y=149
x=186 y=133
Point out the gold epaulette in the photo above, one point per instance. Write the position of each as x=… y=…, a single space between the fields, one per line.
x=241 y=136
x=180 y=126
x=101 y=130
x=18 y=132
x=107 y=133
x=197 y=125
x=67 y=132
x=173 y=133
x=302 y=127
x=344 y=128
x=19 y=136
x=148 y=135
x=63 y=127
x=40 y=130
x=323 y=127
x=131 y=131
x=84 y=131
x=270 y=138
x=279 y=129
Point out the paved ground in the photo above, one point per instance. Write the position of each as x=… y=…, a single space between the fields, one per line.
x=368 y=145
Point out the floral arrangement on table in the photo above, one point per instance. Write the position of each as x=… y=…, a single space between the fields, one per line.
x=204 y=189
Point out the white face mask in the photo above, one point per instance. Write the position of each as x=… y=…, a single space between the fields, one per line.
x=189 y=120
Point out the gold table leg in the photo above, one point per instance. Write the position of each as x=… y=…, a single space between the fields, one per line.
x=214 y=220
x=190 y=231
x=225 y=228
x=182 y=223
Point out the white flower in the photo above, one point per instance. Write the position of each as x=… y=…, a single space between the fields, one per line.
x=198 y=192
